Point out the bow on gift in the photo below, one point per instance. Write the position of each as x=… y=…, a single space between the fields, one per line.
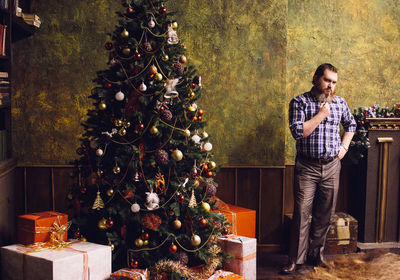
x=58 y=230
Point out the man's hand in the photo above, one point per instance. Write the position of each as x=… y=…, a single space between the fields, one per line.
x=342 y=153
x=324 y=109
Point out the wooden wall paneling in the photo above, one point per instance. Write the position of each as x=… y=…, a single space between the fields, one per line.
x=62 y=181
x=39 y=196
x=248 y=185
x=226 y=184
x=7 y=211
x=288 y=202
x=270 y=212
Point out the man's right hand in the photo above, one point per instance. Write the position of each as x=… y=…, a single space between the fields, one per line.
x=324 y=109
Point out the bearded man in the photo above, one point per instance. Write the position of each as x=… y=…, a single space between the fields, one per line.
x=314 y=121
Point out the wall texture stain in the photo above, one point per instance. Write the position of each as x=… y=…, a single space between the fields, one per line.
x=253 y=56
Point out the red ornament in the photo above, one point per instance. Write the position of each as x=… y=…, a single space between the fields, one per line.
x=180 y=198
x=194 y=85
x=199 y=118
x=77 y=234
x=225 y=231
x=173 y=249
x=200 y=112
x=150 y=76
x=139 y=126
x=108 y=85
x=109 y=223
x=205 y=167
x=130 y=10
x=209 y=174
x=137 y=56
x=83 y=190
x=163 y=10
x=145 y=236
x=202 y=222
x=108 y=46
x=134 y=264
x=195 y=119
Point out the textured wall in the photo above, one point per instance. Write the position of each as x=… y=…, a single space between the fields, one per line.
x=239 y=47
x=359 y=37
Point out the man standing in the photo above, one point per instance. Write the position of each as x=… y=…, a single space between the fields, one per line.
x=314 y=121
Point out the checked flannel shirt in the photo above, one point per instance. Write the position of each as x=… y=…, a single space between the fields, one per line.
x=324 y=142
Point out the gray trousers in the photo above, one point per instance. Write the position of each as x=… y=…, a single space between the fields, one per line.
x=315 y=193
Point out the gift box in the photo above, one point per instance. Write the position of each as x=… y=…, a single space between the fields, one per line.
x=222 y=274
x=244 y=251
x=243 y=220
x=130 y=273
x=80 y=260
x=38 y=227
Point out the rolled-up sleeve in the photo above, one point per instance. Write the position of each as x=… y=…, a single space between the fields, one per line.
x=296 y=118
x=348 y=121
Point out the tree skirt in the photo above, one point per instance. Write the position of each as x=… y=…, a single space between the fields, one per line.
x=367 y=266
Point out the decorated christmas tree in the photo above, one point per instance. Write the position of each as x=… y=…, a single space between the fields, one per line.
x=144 y=180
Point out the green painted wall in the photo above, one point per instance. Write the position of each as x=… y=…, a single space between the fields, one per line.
x=253 y=55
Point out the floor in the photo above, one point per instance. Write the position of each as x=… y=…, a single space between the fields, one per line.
x=269 y=264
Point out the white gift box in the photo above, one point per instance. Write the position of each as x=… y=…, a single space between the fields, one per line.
x=80 y=260
x=244 y=252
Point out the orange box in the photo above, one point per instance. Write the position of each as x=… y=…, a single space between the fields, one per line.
x=243 y=220
x=36 y=227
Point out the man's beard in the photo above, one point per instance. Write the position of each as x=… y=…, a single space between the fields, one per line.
x=322 y=96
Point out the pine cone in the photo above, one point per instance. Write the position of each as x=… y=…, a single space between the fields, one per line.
x=166 y=115
x=147 y=46
x=179 y=68
x=162 y=157
x=151 y=221
x=211 y=189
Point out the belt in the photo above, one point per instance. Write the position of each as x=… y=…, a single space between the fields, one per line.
x=317 y=160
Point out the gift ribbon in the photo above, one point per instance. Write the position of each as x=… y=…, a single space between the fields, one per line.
x=245 y=258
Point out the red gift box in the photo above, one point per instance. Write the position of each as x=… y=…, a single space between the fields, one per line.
x=243 y=220
x=130 y=273
x=38 y=227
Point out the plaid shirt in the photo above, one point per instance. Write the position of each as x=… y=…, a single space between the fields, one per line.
x=324 y=142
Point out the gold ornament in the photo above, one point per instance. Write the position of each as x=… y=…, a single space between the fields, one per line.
x=138 y=242
x=83 y=239
x=192 y=202
x=111 y=245
x=98 y=202
x=187 y=132
x=177 y=155
x=204 y=134
x=206 y=206
x=177 y=224
x=165 y=57
x=146 y=242
x=102 y=224
x=127 y=124
x=153 y=69
x=118 y=122
x=195 y=240
x=116 y=169
x=196 y=183
x=154 y=130
x=212 y=165
x=191 y=108
x=125 y=33
x=174 y=25
x=158 y=77
x=126 y=51
x=122 y=131
x=110 y=192
x=183 y=59
x=102 y=105
x=191 y=94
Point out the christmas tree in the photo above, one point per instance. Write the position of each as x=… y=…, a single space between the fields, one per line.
x=144 y=181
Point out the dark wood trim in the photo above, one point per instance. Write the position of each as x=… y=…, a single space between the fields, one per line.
x=7 y=165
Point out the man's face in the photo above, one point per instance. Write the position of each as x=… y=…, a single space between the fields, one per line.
x=327 y=83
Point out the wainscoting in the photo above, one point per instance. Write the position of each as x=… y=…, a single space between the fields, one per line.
x=266 y=189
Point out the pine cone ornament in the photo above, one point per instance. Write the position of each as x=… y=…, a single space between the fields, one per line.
x=211 y=189
x=162 y=157
x=183 y=258
x=147 y=46
x=166 y=115
x=179 y=68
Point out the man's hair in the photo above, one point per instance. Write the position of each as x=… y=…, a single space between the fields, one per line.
x=320 y=71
